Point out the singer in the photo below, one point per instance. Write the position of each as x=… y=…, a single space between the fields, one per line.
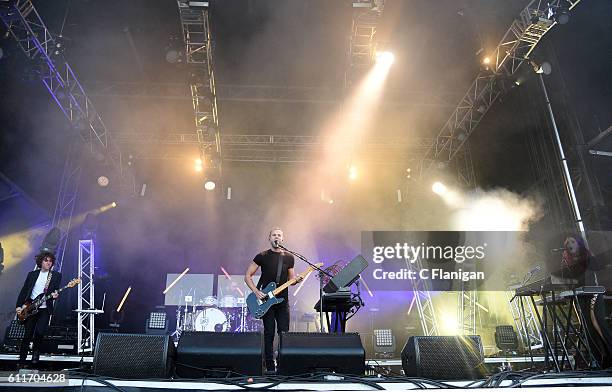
x=276 y=266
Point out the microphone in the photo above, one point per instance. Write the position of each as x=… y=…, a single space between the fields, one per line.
x=555 y=250
x=275 y=243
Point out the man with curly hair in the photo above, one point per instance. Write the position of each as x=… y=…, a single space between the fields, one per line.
x=41 y=280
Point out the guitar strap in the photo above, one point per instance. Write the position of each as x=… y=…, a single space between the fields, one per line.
x=279 y=268
x=47 y=282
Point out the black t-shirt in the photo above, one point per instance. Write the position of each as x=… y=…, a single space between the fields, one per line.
x=268 y=261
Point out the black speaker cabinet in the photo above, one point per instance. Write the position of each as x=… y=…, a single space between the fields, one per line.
x=302 y=352
x=218 y=354
x=133 y=356
x=443 y=357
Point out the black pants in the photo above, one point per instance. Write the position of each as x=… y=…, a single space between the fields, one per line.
x=35 y=327
x=276 y=318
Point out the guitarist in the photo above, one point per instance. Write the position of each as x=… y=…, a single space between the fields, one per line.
x=41 y=280
x=276 y=266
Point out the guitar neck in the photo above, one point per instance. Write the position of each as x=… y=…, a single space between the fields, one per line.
x=48 y=296
x=280 y=289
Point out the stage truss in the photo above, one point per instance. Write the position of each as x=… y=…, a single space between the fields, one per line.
x=85 y=298
x=195 y=24
x=27 y=28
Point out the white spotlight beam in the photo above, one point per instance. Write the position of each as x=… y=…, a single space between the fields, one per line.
x=175 y=280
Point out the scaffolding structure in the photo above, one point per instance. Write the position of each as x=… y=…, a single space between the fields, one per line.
x=271 y=148
x=85 y=298
x=519 y=41
x=362 y=41
x=42 y=48
x=525 y=321
x=195 y=25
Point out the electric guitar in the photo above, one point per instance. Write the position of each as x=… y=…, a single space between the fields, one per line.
x=257 y=307
x=31 y=306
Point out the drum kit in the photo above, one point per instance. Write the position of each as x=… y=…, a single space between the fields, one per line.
x=212 y=314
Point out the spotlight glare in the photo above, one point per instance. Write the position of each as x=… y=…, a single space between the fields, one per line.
x=198 y=168
x=209 y=185
x=486 y=60
x=198 y=162
x=114 y=204
x=352 y=173
x=385 y=57
x=439 y=188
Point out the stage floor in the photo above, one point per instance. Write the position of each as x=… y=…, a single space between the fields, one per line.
x=551 y=382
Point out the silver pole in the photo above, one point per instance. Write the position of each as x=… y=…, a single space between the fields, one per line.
x=566 y=174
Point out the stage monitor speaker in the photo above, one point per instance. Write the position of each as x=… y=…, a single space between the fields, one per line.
x=443 y=357
x=302 y=352
x=134 y=356
x=219 y=354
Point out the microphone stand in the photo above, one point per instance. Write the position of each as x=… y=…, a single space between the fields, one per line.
x=321 y=273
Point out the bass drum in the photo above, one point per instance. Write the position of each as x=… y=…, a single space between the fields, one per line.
x=211 y=320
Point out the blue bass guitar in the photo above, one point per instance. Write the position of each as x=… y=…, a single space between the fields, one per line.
x=257 y=307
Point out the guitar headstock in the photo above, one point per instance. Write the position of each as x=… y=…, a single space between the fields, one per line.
x=73 y=282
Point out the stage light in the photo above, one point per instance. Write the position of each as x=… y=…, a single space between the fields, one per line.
x=157 y=323
x=127 y=292
x=385 y=58
x=439 y=188
x=384 y=342
x=505 y=338
x=450 y=326
x=209 y=185
x=486 y=60
x=198 y=165
x=544 y=68
x=1 y=258
x=114 y=204
x=331 y=201
x=352 y=173
x=561 y=14
x=103 y=181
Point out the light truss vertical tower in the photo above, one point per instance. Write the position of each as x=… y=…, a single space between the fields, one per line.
x=525 y=321
x=26 y=26
x=195 y=24
x=362 y=41
x=422 y=298
x=86 y=296
x=467 y=309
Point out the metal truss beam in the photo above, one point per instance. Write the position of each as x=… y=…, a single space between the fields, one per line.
x=271 y=148
x=525 y=321
x=467 y=311
x=262 y=94
x=85 y=297
x=67 y=198
x=195 y=25
x=422 y=297
x=519 y=41
x=601 y=136
x=362 y=41
x=25 y=25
